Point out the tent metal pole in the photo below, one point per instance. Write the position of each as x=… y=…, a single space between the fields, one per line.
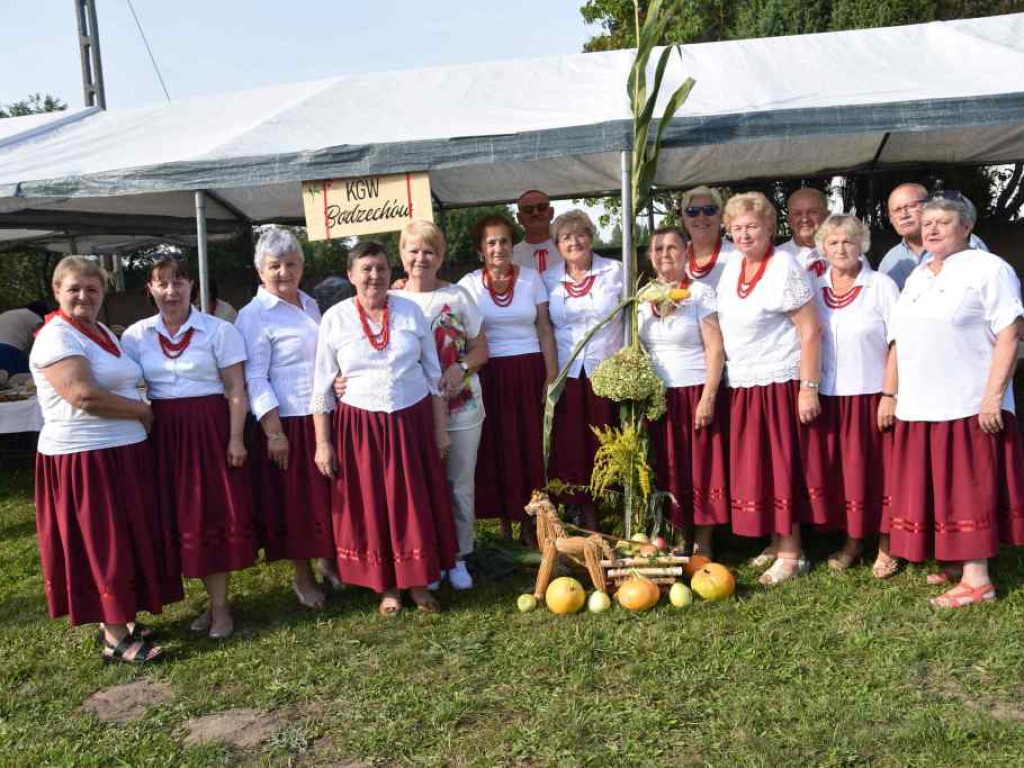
x=628 y=262
x=204 y=264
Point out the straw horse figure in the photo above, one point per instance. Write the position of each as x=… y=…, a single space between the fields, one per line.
x=552 y=540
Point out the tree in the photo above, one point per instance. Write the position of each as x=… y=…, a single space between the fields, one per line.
x=997 y=191
x=27 y=271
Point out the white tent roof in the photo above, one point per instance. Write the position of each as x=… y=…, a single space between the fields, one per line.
x=949 y=92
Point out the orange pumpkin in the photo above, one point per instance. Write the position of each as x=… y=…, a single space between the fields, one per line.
x=638 y=593
x=713 y=582
x=565 y=595
x=695 y=564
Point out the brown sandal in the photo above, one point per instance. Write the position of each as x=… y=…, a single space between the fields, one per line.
x=424 y=600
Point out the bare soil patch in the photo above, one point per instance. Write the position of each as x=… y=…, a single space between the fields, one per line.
x=242 y=728
x=127 y=702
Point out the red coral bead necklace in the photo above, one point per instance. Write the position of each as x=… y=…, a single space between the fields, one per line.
x=501 y=298
x=746 y=287
x=99 y=336
x=378 y=341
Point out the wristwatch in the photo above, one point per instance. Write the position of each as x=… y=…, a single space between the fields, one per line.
x=808 y=384
x=464 y=367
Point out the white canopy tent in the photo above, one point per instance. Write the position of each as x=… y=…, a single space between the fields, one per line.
x=946 y=92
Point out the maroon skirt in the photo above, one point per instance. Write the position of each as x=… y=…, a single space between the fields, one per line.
x=573 y=443
x=104 y=543
x=857 y=458
x=293 y=506
x=777 y=468
x=510 y=462
x=955 y=491
x=693 y=464
x=212 y=502
x=393 y=525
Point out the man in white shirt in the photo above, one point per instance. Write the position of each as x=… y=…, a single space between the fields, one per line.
x=537 y=251
x=806 y=210
x=905 y=216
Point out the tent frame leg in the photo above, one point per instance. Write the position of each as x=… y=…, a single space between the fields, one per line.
x=204 y=262
x=628 y=262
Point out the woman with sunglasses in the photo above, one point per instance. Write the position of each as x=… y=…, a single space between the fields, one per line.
x=958 y=460
x=708 y=252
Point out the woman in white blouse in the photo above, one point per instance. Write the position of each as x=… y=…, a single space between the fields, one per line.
x=103 y=538
x=580 y=295
x=384 y=446
x=773 y=351
x=192 y=363
x=293 y=500
x=854 y=302
x=957 y=473
x=457 y=327
x=514 y=305
x=708 y=252
x=690 y=441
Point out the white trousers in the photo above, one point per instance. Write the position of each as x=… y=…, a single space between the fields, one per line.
x=461 y=471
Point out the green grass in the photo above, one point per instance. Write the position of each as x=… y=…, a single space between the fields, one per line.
x=827 y=671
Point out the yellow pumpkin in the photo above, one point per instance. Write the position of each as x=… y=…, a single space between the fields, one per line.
x=713 y=582
x=565 y=595
x=638 y=593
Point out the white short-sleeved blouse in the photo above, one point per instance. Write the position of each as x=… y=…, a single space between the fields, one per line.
x=511 y=330
x=945 y=328
x=761 y=343
x=674 y=342
x=855 y=334
x=67 y=429
x=215 y=344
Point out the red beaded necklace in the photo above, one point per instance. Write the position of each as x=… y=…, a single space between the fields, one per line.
x=102 y=339
x=175 y=349
x=577 y=290
x=838 y=302
x=378 y=341
x=746 y=287
x=697 y=271
x=504 y=298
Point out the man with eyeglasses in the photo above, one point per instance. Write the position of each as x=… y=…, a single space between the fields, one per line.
x=806 y=210
x=537 y=251
x=905 y=216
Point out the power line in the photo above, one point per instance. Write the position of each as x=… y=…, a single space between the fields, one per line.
x=149 y=50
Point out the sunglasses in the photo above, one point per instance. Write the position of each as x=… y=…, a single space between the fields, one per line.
x=693 y=211
x=530 y=210
x=946 y=194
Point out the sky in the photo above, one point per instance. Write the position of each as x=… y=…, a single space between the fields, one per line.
x=213 y=46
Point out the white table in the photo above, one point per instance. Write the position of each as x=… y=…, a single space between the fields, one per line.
x=21 y=416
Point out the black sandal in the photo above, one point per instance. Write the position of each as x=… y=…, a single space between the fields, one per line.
x=140 y=631
x=145 y=655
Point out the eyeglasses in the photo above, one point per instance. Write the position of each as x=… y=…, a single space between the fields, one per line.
x=530 y=210
x=895 y=212
x=693 y=211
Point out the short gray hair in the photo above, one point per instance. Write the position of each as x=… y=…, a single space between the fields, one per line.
x=276 y=242
x=846 y=221
x=954 y=203
x=574 y=219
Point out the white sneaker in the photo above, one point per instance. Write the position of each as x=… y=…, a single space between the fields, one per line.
x=459 y=576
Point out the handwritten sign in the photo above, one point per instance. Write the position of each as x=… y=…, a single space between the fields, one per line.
x=365 y=205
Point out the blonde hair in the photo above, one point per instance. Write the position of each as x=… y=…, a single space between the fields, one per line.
x=574 y=218
x=701 y=191
x=848 y=222
x=79 y=265
x=751 y=202
x=428 y=231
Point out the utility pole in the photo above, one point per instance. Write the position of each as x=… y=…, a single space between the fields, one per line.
x=89 y=47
